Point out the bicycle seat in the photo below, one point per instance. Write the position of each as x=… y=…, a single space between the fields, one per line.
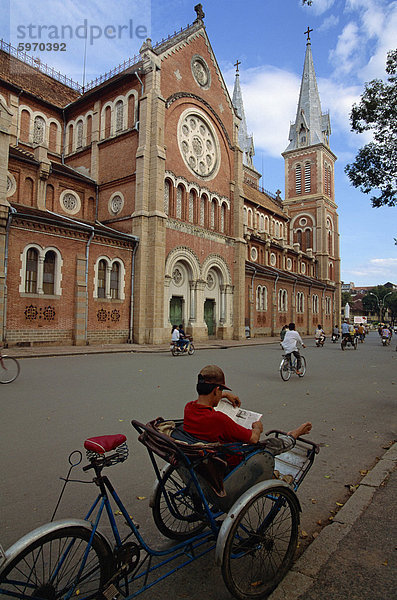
x=104 y=443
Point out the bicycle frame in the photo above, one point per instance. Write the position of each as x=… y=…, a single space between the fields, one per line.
x=187 y=548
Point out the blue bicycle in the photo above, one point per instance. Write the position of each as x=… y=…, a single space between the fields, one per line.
x=196 y=501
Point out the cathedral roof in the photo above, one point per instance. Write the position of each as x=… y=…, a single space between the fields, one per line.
x=311 y=125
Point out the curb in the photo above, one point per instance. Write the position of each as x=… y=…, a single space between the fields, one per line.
x=303 y=573
x=53 y=351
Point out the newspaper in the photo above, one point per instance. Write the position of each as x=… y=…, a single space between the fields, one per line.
x=241 y=416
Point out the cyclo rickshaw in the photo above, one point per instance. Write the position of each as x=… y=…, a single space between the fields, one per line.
x=248 y=512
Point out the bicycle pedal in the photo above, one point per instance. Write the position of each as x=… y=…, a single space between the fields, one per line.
x=112 y=593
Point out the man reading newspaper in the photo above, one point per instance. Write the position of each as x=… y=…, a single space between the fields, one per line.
x=204 y=422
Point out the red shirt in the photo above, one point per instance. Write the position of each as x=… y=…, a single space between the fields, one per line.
x=211 y=425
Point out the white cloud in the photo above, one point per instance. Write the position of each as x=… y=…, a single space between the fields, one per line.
x=270 y=101
x=320 y=6
x=376 y=272
x=344 y=56
x=328 y=23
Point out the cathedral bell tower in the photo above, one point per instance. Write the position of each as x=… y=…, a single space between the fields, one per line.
x=309 y=180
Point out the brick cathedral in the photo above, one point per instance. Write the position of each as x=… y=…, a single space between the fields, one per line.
x=134 y=204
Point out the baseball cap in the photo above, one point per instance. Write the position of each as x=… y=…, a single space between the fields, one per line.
x=213 y=374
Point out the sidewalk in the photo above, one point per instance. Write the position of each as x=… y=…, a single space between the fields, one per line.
x=45 y=351
x=355 y=557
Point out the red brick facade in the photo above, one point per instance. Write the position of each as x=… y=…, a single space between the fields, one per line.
x=127 y=208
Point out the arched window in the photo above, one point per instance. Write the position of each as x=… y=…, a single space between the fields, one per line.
x=261 y=298
x=202 y=210
x=300 y=302
x=245 y=216
x=249 y=218
x=167 y=187
x=114 y=280
x=223 y=217
x=299 y=237
x=49 y=272
x=262 y=223
x=38 y=130
x=179 y=193
x=79 y=134
x=282 y=301
x=307 y=178
x=41 y=269
x=101 y=283
x=213 y=206
x=191 y=207
x=308 y=239
x=267 y=224
x=315 y=304
x=119 y=116
x=298 y=179
x=32 y=259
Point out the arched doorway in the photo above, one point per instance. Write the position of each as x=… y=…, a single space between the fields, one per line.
x=209 y=316
x=176 y=310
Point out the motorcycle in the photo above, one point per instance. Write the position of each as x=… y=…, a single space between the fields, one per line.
x=335 y=338
x=188 y=348
x=385 y=340
x=320 y=341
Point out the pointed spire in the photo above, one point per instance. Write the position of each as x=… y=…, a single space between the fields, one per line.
x=311 y=126
x=246 y=142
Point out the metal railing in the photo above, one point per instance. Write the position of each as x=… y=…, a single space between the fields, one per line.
x=39 y=66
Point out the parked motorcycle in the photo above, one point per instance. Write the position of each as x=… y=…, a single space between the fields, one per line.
x=188 y=348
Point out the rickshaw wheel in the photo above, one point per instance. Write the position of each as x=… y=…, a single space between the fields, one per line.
x=183 y=519
x=261 y=543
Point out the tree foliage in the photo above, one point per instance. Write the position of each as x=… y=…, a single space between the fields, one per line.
x=346 y=297
x=375 y=166
x=375 y=300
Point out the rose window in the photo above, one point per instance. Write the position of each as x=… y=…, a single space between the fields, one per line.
x=198 y=145
x=69 y=202
x=201 y=72
x=177 y=276
x=116 y=204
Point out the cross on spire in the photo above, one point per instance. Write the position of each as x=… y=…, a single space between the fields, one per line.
x=236 y=64
x=308 y=32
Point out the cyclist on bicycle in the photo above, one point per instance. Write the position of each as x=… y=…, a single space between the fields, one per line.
x=290 y=346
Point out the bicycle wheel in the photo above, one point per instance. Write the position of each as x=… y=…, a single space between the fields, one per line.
x=261 y=543
x=285 y=370
x=191 y=349
x=49 y=568
x=182 y=519
x=303 y=367
x=9 y=369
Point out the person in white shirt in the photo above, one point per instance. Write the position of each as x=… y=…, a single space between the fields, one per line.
x=290 y=345
x=319 y=336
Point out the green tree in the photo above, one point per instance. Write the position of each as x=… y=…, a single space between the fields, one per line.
x=375 y=166
x=346 y=297
x=375 y=300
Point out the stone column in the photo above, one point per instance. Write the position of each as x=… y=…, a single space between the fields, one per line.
x=148 y=220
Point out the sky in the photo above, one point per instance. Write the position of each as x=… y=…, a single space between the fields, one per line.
x=350 y=40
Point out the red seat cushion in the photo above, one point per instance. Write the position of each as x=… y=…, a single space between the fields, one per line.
x=104 y=443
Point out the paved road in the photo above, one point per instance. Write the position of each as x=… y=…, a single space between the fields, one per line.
x=58 y=402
